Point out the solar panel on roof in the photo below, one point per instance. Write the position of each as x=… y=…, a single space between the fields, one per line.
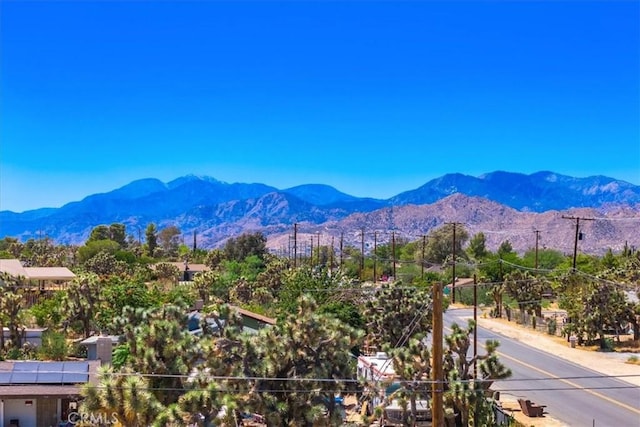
x=26 y=366
x=5 y=377
x=50 y=373
x=46 y=373
x=25 y=373
x=75 y=372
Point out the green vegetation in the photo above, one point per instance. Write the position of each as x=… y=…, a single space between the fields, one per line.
x=329 y=306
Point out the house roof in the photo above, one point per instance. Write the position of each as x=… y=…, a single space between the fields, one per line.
x=27 y=332
x=195 y=317
x=115 y=339
x=461 y=281
x=40 y=372
x=32 y=391
x=380 y=363
x=180 y=266
x=256 y=316
x=14 y=267
x=30 y=379
x=49 y=273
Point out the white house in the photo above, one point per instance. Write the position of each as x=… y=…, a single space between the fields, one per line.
x=40 y=394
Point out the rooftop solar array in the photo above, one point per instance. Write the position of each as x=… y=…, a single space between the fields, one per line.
x=46 y=373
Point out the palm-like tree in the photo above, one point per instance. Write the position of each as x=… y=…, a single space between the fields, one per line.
x=12 y=289
x=465 y=388
x=527 y=290
x=305 y=360
x=82 y=302
x=396 y=314
x=412 y=365
x=125 y=396
x=162 y=345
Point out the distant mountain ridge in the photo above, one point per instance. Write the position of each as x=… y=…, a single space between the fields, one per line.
x=216 y=210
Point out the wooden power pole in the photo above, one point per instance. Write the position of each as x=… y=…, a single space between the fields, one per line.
x=537 y=239
x=437 y=409
x=578 y=234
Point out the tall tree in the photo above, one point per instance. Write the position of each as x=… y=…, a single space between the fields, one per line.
x=82 y=303
x=246 y=245
x=118 y=233
x=466 y=390
x=412 y=365
x=478 y=246
x=169 y=239
x=12 y=300
x=395 y=313
x=122 y=396
x=160 y=343
x=100 y=232
x=440 y=244
x=304 y=361
x=151 y=236
x=527 y=290
x=228 y=356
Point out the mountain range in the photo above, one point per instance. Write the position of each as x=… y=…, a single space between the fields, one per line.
x=503 y=205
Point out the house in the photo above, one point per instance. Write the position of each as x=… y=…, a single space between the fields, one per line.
x=251 y=322
x=40 y=280
x=393 y=414
x=41 y=394
x=30 y=336
x=189 y=271
x=378 y=369
x=100 y=347
x=460 y=283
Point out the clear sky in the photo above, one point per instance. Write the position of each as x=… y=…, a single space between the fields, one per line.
x=373 y=98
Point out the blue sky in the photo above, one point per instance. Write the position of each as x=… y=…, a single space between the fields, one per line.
x=373 y=98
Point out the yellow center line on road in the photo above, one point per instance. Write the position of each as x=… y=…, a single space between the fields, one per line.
x=571 y=383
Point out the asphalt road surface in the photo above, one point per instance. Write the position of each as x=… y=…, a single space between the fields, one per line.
x=573 y=394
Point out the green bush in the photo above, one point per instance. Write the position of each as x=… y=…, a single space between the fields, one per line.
x=54 y=346
x=608 y=344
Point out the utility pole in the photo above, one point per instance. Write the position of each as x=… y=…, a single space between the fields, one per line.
x=332 y=253
x=311 y=253
x=537 y=238
x=341 y=251
x=318 y=256
x=424 y=243
x=375 y=256
x=362 y=258
x=578 y=234
x=475 y=327
x=393 y=253
x=437 y=383
x=453 y=269
x=295 y=244
x=194 y=241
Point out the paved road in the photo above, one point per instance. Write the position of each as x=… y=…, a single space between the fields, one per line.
x=573 y=394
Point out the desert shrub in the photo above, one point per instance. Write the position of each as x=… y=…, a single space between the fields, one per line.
x=54 y=346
